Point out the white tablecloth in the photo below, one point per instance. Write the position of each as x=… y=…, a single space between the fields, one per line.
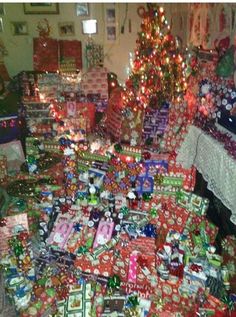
x=213 y=162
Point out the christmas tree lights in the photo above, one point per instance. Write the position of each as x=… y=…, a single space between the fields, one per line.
x=158 y=72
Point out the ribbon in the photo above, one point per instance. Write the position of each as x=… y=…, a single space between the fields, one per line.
x=82 y=250
x=78 y=227
x=132 y=301
x=147 y=196
x=228 y=301
x=124 y=210
x=114 y=282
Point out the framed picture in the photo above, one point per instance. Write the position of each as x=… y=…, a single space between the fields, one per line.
x=111 y=22
x=111 y=33
x=19 y=28
x=41 y=8
x=111 y=15
x=66 y=28
x=82 y=9
x=2 y=9
x=1 y=25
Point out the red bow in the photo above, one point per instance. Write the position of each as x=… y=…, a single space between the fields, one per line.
x=142 y=261
x=196 y=268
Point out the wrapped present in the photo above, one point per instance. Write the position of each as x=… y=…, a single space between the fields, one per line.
x=172 y=216
x=192 y=202
x=14 y=153
x=179 y=118
x=71 y=49
x=202 y=233
x=94 y=54
x=114 y=303
x=154 y=166
x=79 y=116
x=79 y=301
x=114 y=114
x=168 y=185
x=61 y=231
x=189 y=175
x=45 y=54
x=194 y=278
x=168 y=292
x=229 y=259
x=169 y=260
x=155 y=122
x=11 y=226
x=136 y=261
x=95 y=81
x=44 y=304
x=131 y=127
x=101 y=265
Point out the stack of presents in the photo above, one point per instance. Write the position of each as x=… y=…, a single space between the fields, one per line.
x=109 y=224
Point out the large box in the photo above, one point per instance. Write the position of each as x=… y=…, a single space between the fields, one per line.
x=95 y=82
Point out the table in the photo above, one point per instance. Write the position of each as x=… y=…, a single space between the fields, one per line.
x=217 y=167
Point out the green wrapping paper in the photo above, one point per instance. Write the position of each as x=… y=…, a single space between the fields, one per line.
x=94 y=54
x=192 y=202
x=79 y=302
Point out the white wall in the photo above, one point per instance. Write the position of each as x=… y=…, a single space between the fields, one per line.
x=20 y=48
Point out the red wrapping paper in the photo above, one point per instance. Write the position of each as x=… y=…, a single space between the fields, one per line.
x=102 y=266
x=189 y=175
x=73 y=49
x=146 y=266
x=46 y=54
x=172 y=216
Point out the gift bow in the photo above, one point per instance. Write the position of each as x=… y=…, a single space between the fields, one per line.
x=158 y=179
x=196 y=268
x=142 y=261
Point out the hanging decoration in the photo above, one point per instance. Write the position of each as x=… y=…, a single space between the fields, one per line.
x=44 y=28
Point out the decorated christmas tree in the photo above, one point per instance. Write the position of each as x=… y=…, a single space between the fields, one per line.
x=158 y=72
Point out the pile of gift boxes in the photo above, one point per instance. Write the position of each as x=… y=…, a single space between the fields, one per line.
x=122 y=234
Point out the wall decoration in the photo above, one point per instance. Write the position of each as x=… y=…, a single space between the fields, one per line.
x=111 y=15
x=19 y=28
x=111 y=23
x=41 y=8
x=66 y=28
x=2 y=9
x=82 y=9
x=111 y=33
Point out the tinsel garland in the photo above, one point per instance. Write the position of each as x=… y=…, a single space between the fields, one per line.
x=224 y=138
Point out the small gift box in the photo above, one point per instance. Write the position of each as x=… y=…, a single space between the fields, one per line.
x=61 y=231
x=101 y=265
x=194 y=278
x=13 y=224
x=193 y=202
x=136 y=260
x=172 y=216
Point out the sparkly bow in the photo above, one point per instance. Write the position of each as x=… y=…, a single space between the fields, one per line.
x=196 y=268
x=158 y=179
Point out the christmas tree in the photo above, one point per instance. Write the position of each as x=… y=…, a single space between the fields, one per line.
x=158 y=72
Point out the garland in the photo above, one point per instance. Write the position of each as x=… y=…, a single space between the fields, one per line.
x=224 y=138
